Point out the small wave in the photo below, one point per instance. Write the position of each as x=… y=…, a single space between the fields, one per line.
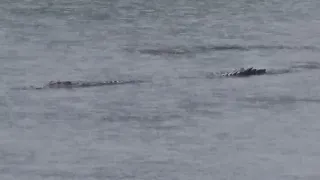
x=306 y=65
x=280 y=100
x=279 y=71
x=202 y=49
x=297 y=67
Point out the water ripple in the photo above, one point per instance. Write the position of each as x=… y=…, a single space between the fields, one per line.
x=208 y=48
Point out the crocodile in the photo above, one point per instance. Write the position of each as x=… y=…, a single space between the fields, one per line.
x=79 y=84
x=242 y=72
x=247 y=72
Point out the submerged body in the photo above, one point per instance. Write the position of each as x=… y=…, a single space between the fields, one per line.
x=79 y=84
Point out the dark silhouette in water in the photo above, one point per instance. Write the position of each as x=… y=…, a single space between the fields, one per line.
x=79 y=84
x=245 y=72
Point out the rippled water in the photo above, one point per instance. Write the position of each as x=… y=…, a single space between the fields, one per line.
x=178 y=124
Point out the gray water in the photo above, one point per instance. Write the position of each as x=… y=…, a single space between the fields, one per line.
x=179 y=124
